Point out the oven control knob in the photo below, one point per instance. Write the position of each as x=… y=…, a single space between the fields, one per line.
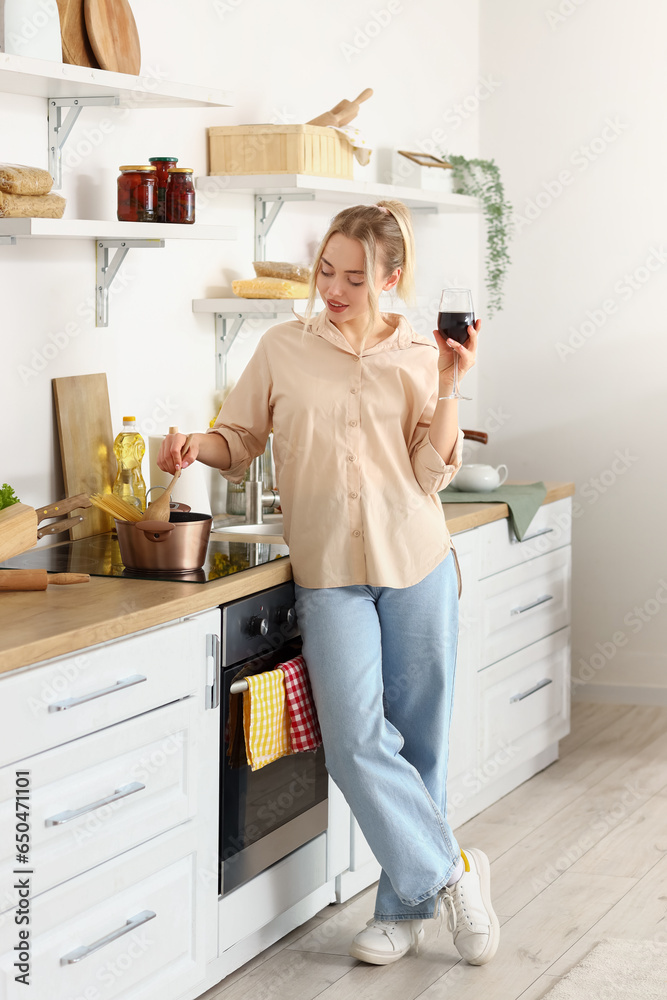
x=287 y=616
x=258 y=626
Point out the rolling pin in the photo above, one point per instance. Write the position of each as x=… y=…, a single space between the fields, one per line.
x=37 y=579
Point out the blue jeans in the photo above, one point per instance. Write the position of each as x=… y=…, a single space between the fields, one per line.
x=381 y=663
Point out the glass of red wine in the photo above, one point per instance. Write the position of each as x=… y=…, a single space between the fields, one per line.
x=455 y=315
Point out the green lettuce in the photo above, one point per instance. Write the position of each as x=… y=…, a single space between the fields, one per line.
x=7 y=496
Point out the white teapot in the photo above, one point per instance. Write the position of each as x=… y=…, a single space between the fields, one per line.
x=479 y=478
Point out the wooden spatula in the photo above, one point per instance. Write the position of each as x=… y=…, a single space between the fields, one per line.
x=159 y=509
x=343 y=112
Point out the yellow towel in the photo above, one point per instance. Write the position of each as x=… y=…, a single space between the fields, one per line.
x=265 y=719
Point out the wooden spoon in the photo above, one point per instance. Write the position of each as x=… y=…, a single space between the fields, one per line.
x=343 y=112
x=159 y=509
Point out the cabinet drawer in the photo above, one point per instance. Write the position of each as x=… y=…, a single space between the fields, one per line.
x=51 y=703
x=524 y=604
x=158 y=954
x=131 y=782
x=525 y=701
x=549 y=529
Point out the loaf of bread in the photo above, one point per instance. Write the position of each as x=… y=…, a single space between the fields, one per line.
x=27 y=206
x=270 y=288
x=280 y=269
x=17 y=179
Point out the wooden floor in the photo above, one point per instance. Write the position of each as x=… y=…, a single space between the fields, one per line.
x=579 y=854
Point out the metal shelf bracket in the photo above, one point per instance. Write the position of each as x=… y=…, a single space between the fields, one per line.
x=59 y=130
x=227 y=327
x=106 y=271
x=264 y=220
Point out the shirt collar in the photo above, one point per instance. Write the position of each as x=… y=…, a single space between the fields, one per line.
x=402 y=338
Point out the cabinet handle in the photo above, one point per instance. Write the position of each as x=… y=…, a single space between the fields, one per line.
x=120 y=793
x=87 y=949
x=526 y=694
x=61 y=706
x=527 y=538
x=535 y=604
x=213 y=655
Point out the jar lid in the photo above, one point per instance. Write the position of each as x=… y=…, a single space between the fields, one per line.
x=129 y=420
x=163 y=159
x=143 y=166
x=181 y=170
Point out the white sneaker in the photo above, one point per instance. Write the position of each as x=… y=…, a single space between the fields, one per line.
x=385 y=941
x=470 y=915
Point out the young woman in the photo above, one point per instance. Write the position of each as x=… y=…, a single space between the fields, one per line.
x=364 y=437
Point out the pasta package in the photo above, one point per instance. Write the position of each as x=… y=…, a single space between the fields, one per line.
x=26 y=206
x=270 y=288
x=281 y=269
x=18 y=179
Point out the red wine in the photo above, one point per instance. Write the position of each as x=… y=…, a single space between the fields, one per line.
x=455 y=325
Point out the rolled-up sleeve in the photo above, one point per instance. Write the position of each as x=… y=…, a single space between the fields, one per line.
x=245 y=418
x=430 y=469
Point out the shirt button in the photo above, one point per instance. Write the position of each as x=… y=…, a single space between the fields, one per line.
x=353 y=423
x=351 y=458
x=356 y=533
x=354 y=390
x=357 y=358
x=353 y=496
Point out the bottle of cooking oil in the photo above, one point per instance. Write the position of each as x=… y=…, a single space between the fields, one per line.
x=129 y=448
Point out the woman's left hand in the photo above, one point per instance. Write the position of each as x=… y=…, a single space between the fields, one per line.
x=467 y=354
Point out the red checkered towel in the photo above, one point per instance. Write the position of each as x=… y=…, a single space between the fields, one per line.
x=304 y=727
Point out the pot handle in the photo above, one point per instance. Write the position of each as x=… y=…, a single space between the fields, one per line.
x=155 y=531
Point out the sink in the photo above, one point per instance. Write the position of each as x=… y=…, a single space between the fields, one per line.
x=269 y=532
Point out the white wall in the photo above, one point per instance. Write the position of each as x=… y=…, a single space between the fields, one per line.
x=283 y=62
x=577 y=359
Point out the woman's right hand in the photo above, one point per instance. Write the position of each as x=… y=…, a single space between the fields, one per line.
x=170 y=456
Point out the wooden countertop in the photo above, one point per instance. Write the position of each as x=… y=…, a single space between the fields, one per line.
x=39 y=625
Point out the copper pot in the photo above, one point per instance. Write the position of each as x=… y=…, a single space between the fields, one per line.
x=174 y=546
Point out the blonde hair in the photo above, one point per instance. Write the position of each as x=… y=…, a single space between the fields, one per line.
x=385 y=233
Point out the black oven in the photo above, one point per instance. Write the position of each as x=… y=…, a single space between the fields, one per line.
x=268 y=813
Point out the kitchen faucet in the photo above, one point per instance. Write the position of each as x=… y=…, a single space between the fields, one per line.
x=257 y=499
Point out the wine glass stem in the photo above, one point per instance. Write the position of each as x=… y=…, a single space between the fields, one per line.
x=455 y=390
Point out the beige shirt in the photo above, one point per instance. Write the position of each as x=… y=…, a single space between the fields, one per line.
x=357 y=474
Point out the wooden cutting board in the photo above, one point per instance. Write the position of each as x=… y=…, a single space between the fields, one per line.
x=113 y=35
x=77 y=50
x=86 y=444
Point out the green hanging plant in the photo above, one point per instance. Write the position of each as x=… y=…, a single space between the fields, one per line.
x=481 y=179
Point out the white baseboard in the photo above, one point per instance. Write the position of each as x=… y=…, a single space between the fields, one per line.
x=621 y=694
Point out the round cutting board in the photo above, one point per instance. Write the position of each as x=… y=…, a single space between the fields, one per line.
x=77 y=49
x=113 y=35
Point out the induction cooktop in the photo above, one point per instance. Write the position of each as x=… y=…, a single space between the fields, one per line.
x=99 y=555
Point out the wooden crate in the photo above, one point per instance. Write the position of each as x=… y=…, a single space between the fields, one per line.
x=278 y=149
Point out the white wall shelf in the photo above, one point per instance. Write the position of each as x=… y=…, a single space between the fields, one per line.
x=73 y=87
x=336 y=190
x=43 y=78
x=81 y=229
x=108 y=235
x=246 y=307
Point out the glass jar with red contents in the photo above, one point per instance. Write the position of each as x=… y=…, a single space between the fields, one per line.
x=162 y=166
x=180 y=202
x=136 y=194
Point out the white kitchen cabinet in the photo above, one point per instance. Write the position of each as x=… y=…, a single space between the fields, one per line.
x=122 y=810
x=128 y=928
